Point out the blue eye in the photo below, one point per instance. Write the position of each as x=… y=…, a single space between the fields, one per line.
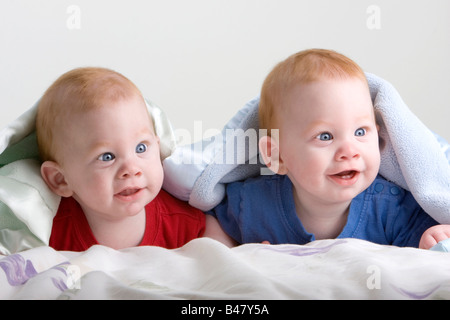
x=360 y=132
x=325 y=136
x=141 y=148
x=107 y=156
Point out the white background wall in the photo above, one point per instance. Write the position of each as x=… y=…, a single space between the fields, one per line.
x=204 y=59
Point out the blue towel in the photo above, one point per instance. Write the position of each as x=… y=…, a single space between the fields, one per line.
x=443 y=246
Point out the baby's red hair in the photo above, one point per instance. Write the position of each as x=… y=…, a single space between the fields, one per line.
x=300 y=68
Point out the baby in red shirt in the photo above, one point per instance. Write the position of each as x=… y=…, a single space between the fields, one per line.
x=101 y=154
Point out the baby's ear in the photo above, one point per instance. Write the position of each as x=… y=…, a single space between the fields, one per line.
x=54 y=178
x=270 y=152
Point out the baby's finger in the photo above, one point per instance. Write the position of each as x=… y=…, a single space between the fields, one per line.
x=441 y=236
x=427 y=242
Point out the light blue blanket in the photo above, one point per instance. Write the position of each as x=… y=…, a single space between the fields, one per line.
x=411 y=156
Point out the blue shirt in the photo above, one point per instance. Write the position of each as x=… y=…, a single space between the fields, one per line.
x=262 y=208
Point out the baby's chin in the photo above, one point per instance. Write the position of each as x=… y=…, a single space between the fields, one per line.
x=349 y=193
x=132 y=209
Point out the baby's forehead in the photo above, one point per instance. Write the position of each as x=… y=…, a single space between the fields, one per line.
x=322 y=88
x=102 y=113
x=327 y=97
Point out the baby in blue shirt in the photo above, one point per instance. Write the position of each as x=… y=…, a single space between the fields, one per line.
x=323 y=146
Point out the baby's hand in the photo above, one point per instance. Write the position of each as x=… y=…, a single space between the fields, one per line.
x=434 y=235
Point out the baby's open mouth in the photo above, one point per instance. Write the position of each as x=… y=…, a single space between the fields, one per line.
x=345 y=178
x=128 y=192
x=347 y=174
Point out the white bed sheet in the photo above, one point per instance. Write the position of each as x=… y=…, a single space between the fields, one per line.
x=205 y=269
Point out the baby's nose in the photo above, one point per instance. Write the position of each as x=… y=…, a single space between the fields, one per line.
x=347 y=151
x=130 y=170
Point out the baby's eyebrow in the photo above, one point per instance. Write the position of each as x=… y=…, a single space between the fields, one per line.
x=318 y=123
x=147 y=131
x=369 y=117
x=98 y=146
x=326 y=124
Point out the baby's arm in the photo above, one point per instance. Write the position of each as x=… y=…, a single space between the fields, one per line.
x=214 y=230
x=434 y=235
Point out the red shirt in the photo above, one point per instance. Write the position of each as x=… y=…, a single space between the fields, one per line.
x=170 y=223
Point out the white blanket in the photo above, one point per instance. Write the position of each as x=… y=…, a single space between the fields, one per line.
x=27 y=206
x=205 y=269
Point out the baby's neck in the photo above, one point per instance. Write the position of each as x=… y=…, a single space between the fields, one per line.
x=325 y=221
x=119 y=234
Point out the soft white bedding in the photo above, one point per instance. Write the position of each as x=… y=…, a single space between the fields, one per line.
x=205 y=269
